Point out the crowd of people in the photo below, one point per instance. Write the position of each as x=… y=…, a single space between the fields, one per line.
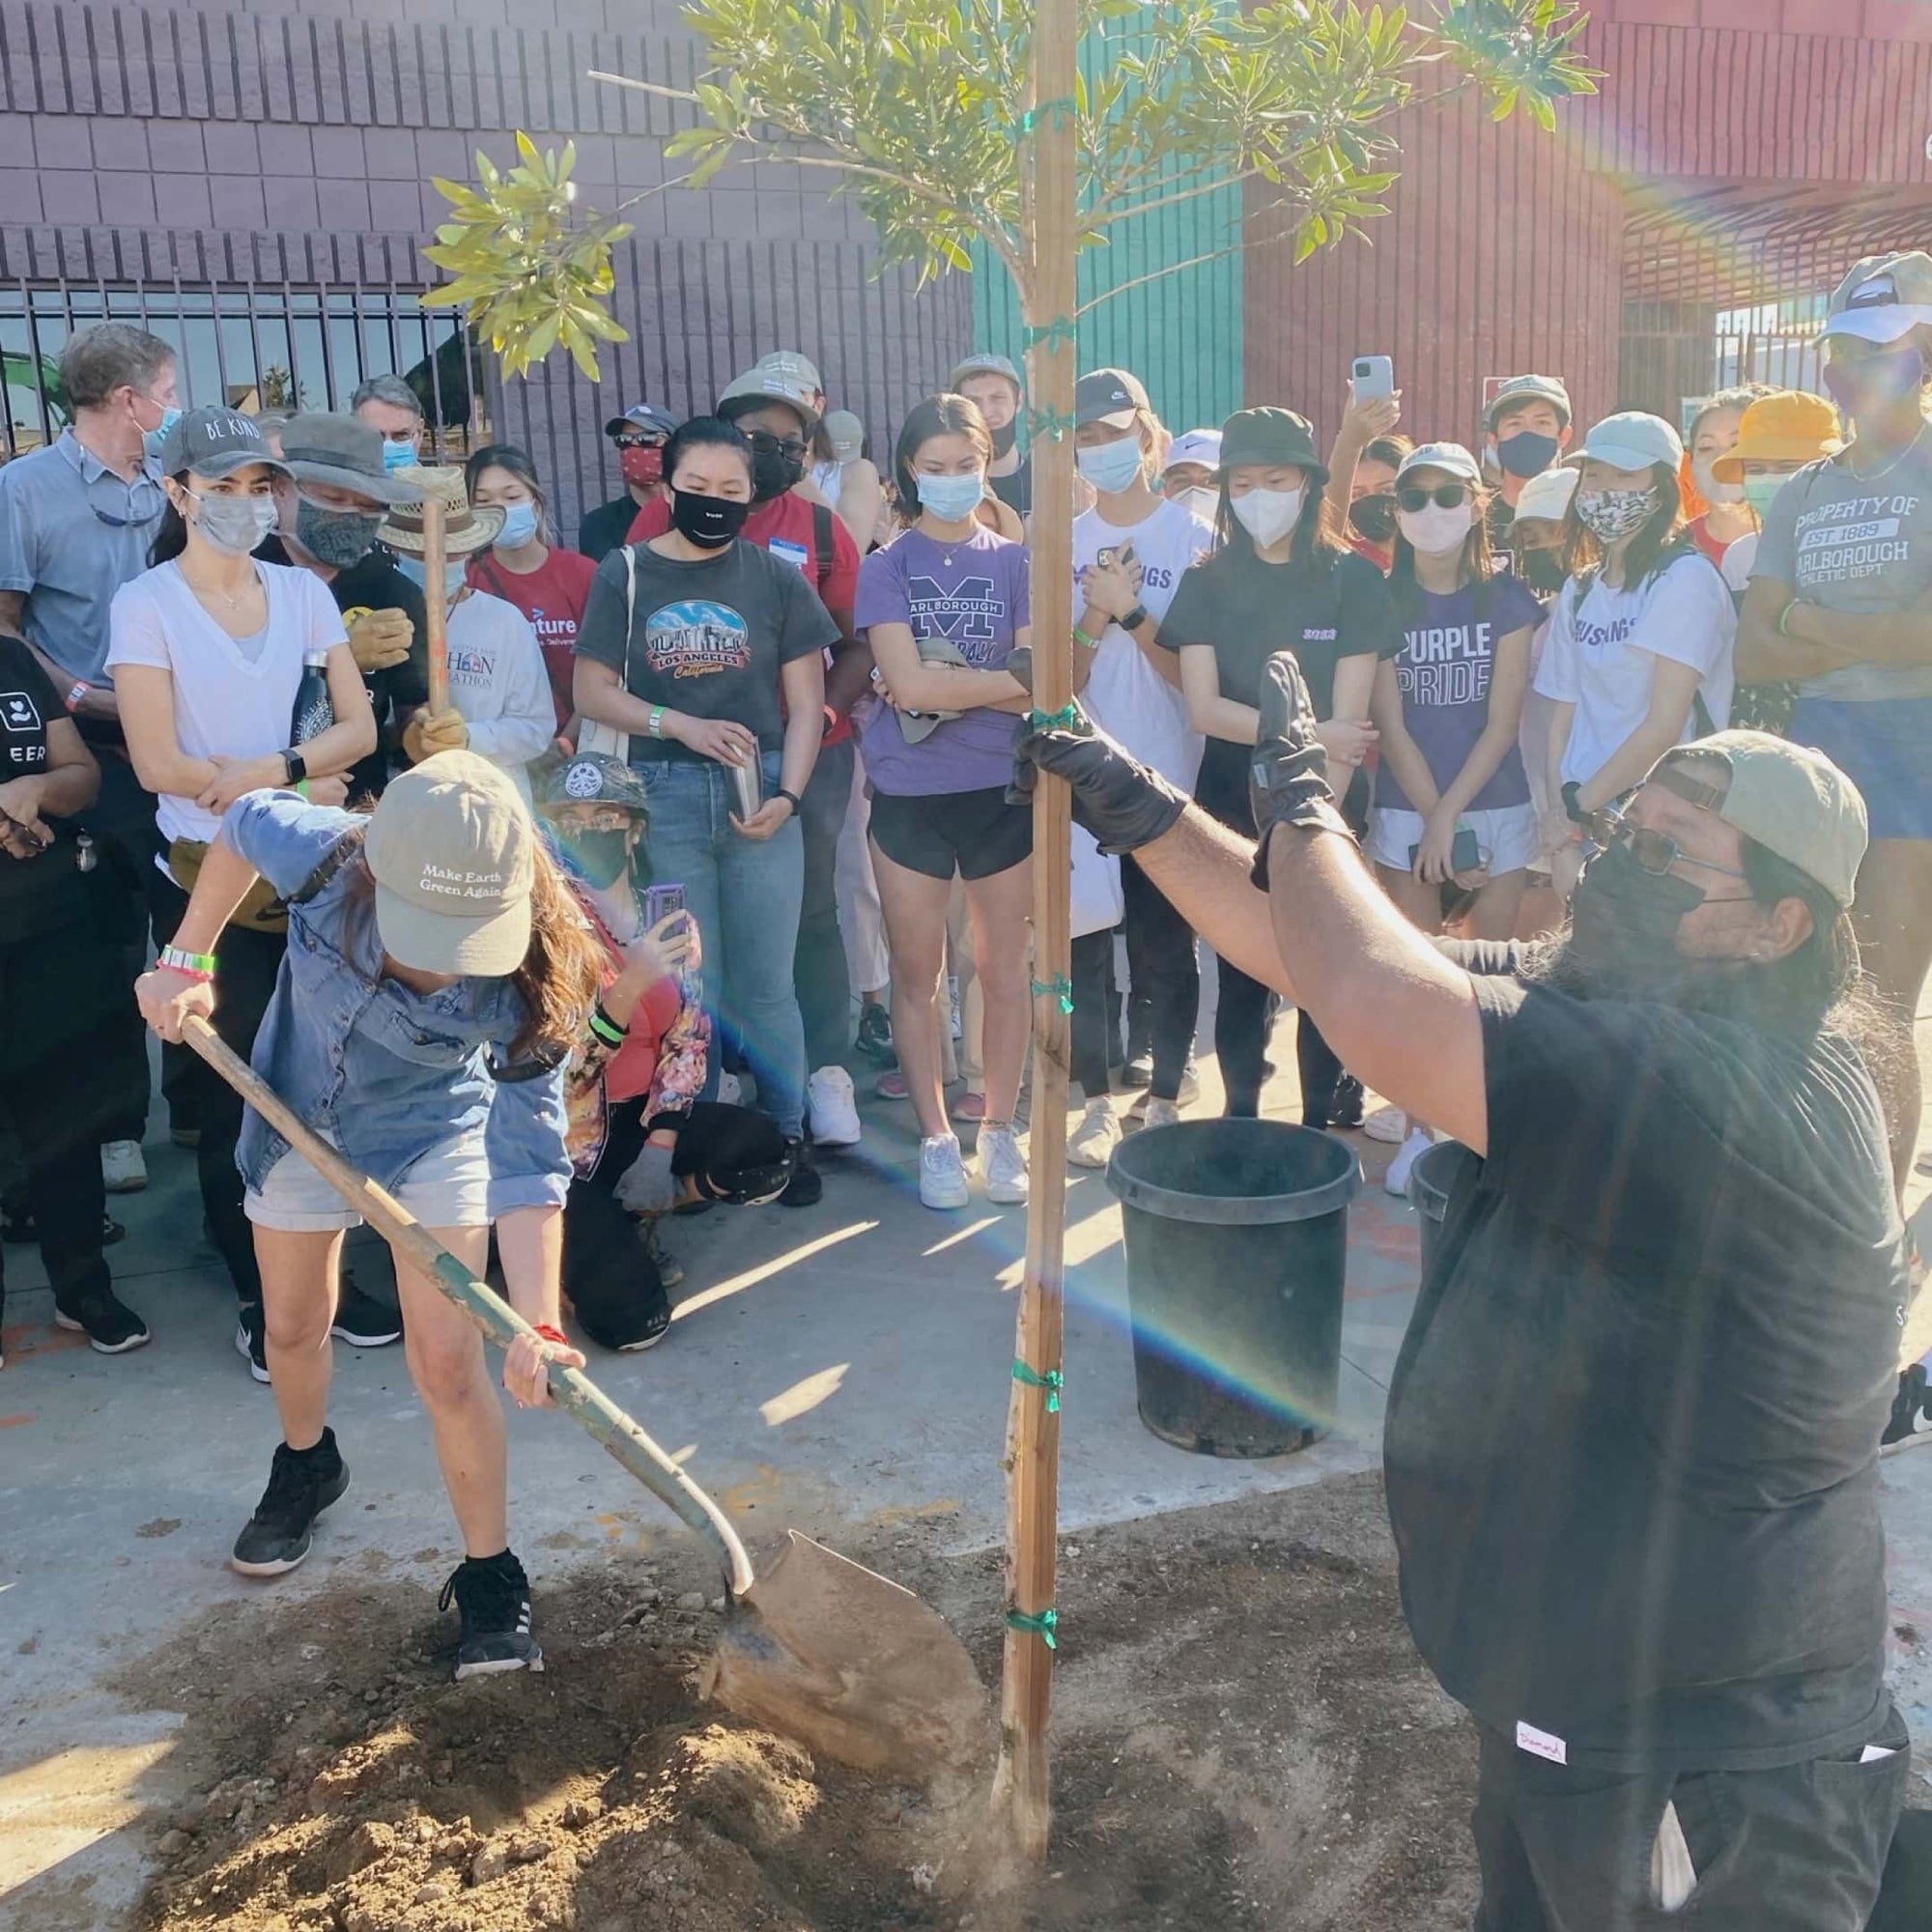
x=736 y=773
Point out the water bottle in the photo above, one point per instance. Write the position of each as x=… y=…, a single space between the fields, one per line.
x=314 y=713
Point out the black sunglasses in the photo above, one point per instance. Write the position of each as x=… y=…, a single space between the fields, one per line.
x=1656 y=852
x=1445 y=495
x=643 y=440
x=787 y=445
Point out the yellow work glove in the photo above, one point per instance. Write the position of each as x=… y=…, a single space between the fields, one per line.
x=429 y=733
x=380 y=639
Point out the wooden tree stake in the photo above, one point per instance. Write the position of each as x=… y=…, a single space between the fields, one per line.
x=437 y=641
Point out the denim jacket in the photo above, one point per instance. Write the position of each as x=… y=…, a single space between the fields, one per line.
x=331 y=985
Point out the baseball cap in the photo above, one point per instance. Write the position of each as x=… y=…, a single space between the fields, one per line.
x=1109 y=396
x=768 y=382
x=1883 y=298
x=792 y=365
x=1449 y=457
x=646 y=417
x=1634 y=440
x=1528 y=389
x=1271 y=436
x=1794 y=801
x=452 y=850
x=1789 y=427
x=592 y=778
x=846 y=434
x=1547 y=497
x=325 y=446
x=215 y=441
x=1196 y=446
x=985 y=363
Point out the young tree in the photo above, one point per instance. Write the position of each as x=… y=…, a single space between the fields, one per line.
x=952 y=120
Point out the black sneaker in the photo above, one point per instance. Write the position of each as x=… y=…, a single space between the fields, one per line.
x=363 y=1321
x=1346 y=1109
x=110 y=1326
x=249 y=1340
x=20 y=1229
x=1913 y=1396
x=492 y=1596
x=1137 y=1075
x=875 y=1035
x=807 y=1187
x=650 y=1332
x=301 y=1484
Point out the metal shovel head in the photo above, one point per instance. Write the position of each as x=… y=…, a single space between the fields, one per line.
x=828 y=1652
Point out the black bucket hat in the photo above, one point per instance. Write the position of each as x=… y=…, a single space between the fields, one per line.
x=1271 y=436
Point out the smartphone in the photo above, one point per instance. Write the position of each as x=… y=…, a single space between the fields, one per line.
x=1465 y=853
x=1105 y=557
x=660 y=902
x=1375 y=377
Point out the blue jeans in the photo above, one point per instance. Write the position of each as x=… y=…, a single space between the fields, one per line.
x=745 y=897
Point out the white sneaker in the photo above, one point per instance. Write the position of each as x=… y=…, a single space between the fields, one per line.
x=835 y=1113
x=942 y=1174
x=730 y=1089
x=122 y=1170
x=1388 y=1125
x=1002 y=1166
x=1099 y=1134
x=1420 y=1139
x=1160 y=1113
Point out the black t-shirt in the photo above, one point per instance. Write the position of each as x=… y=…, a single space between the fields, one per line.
x=375 y=583
x=1633 y=1432
x=1016 y=492
x=41 y=895
x=709 y=638
x=606 y=527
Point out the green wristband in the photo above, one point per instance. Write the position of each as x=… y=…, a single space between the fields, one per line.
x=1080 y=637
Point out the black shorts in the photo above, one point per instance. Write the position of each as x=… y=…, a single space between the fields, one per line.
x=975 y=834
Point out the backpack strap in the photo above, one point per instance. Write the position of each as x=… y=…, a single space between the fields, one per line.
x=823 y=542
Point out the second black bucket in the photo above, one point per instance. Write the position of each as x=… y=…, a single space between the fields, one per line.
x=1236 y=1244
x=1431 y=1182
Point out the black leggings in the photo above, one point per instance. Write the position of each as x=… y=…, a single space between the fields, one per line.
x=1095 y=1002
x=1161 y=966
x=820 y=976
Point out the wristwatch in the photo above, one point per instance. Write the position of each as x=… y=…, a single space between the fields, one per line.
x=790 y=798
x=1134 y=618
x=298 y=767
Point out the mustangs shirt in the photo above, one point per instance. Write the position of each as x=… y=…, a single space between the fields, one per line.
x=973 y=594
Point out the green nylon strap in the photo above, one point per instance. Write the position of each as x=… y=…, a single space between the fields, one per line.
x=1055 y=110
x=1053 y=1381
x=1061 y=988
x=1050 y=423
x=1055 y=721
x=1058 y=333
x=1042 y=1625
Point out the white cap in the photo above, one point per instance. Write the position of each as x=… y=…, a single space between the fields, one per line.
x=1634 y=440
x=1196 y=446
x=1547 y=496
x=1451 y=458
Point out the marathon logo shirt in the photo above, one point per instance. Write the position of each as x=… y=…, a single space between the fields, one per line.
x=696 y=639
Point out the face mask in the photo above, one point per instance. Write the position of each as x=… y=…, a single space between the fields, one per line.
x=416 y=570
x=1624 y=920
x=1542 y=570
x=152 y=438
x=519 y=526
x=708 y=521
x=1372 y=517
x=774 y=471
x=1113 y=466
x=1268 y=515
x=1611 y=515
x=1005 y=438
x=600 y=856
x=1880 y=383
x=232 y=525
x=398 y=455
x=1526 y=454
x=1711 y=489
x=642 y=466
x=1761 y=491
x=337 y=538
x=951 y=498
x=1437 y=529
x=1202 y=502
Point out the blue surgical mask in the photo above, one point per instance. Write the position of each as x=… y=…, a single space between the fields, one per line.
x=152 y=440
x=951 y=499
x=454 y=573
x=1113 y=466
x=398 y=455
x=519 y=526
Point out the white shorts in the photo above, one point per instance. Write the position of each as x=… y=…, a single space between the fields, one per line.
x=1507 y=835
x=449 y=1187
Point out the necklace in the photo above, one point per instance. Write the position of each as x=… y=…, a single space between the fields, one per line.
x=1879 y=475
x=231 y=598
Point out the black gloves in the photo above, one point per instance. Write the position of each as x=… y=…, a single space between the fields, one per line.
x=1116 y=798
x=1287 y=779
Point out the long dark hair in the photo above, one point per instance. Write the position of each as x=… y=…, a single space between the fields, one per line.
x=1655 y=548
x=507 y=456
x=941 y=415
x=171 y=539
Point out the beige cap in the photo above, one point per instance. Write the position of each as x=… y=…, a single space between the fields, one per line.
x=451 y=848
x=1547 y=497
x=1794 y=802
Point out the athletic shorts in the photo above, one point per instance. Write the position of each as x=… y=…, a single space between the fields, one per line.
x=975 y=834
x=449 y=1187
x=1882 y=746
x=1507 y=837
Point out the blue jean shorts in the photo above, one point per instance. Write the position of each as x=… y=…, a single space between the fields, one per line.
x=1885 y=747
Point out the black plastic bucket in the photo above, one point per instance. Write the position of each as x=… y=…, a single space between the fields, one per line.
x=1431 y=1182
x=1236 y=1243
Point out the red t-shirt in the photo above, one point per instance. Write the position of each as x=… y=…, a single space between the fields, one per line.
x=553 y=599
x=788 y=527
x=1713 y=547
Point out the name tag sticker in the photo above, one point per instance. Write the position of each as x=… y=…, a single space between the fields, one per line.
x=1540 y=1744
x=791 y=553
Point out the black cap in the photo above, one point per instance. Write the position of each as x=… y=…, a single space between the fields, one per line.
x=215 y=441
x=1274 y=437
x=646 y=417
x=1106 y=395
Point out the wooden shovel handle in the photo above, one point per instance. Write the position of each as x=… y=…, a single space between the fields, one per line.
x=436 y=637
x=570 y=1388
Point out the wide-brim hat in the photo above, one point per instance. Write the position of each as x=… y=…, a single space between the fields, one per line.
x=1789 y=427
x=343 y=452
x=467 y=527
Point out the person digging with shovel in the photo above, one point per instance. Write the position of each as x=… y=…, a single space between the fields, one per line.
x=1631 y=1443
x=438 y=976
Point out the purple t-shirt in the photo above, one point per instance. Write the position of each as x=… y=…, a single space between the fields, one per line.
x=1444 y=668
x=973 y=594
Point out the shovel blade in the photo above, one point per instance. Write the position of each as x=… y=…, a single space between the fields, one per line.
x=853 y=1666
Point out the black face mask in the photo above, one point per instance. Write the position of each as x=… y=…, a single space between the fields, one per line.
x=1624 y=920
x=1374 y=518
x=339 y=538
x=1542 y=570
x=708 y=521
x=1527 y=454
x=774 y=469
x=598 y=857
x=1005 y=438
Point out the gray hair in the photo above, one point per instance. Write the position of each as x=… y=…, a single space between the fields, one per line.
x=391 y=389
x=110 y=355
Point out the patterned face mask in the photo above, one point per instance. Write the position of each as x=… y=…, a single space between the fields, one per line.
x=1611 y=515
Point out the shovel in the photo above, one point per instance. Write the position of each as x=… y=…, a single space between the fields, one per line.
x=815 y=1646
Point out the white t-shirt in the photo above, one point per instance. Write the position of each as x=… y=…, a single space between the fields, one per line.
x=233 y=699
x=1600 y=648
x=1125 y=695
x=498 y=682
x=1739 y=557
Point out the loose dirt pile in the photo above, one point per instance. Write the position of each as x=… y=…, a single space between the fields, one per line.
x=1244 y=1739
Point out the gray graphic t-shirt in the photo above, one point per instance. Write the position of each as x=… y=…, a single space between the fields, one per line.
x=1858 y=545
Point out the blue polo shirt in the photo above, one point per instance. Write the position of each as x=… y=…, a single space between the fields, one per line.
x=72 y=533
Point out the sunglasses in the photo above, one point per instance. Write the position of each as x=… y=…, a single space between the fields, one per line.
x=787 y=446
x=1445 y=496
x=151 y=492
x=1656 y=852
x=642 y=441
